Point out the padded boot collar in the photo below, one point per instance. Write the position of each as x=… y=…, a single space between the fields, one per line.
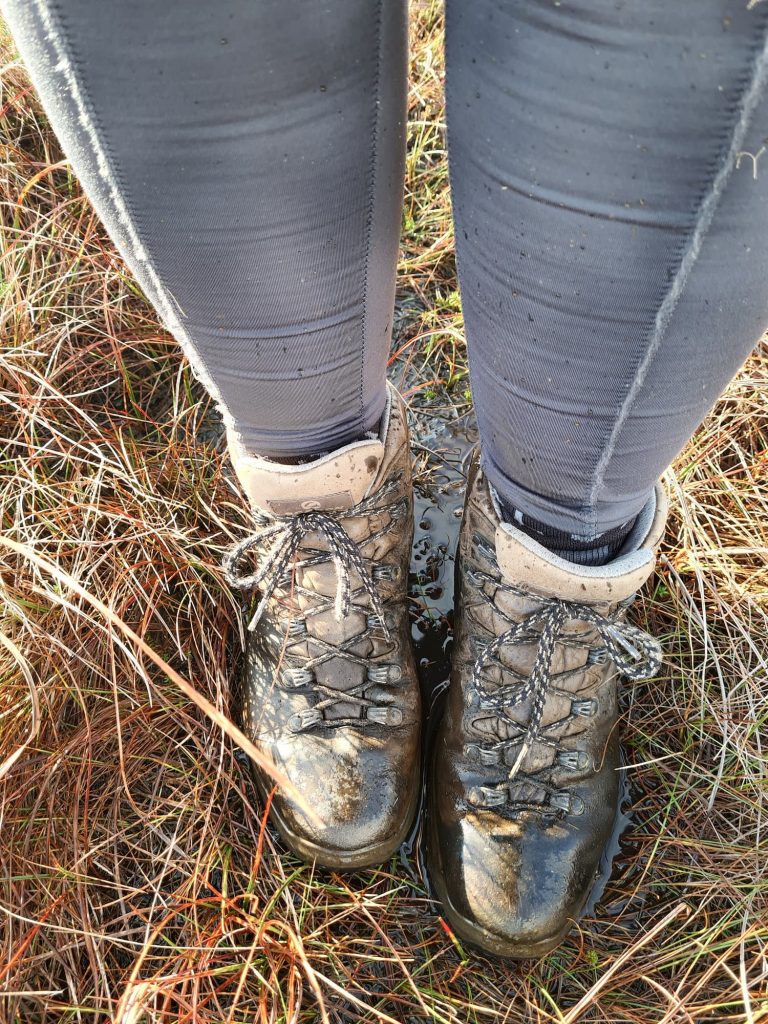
x=337 y=481
x=526 y=563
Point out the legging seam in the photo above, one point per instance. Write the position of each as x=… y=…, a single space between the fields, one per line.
x=66 y=63
x=748 y=99
x=372 y=177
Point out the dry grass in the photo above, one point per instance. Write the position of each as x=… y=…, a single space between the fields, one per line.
x=138 y=880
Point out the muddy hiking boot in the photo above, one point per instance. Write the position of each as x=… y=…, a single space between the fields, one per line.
x=524 y=785
x=331 y=691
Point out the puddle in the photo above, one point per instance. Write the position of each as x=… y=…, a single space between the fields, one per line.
x=438 y=503
x=443 y=452
x=609 y=867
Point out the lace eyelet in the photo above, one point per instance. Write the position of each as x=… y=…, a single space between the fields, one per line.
x=584 y=708
x=382 y=674
x=472 y=699
x=486 y=550
x=598 y=656
x=305 y=719
x=573 y=760
x=374 y=621
x=297 y=678
x=487 y=797
x=478 y=644
x=566 y=802
x=385 y=572
x=389 y=715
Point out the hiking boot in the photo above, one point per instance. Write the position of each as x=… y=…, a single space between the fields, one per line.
x=331 y=692
x=525 y=786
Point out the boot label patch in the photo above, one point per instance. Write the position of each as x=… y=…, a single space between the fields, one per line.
x=325 y=502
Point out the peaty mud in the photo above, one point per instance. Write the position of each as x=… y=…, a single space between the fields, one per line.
x=441 y=461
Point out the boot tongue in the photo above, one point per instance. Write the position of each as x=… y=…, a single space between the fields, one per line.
x=335 y=482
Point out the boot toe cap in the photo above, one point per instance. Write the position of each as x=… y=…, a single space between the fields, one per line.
x=515 y=893
x=363 y=806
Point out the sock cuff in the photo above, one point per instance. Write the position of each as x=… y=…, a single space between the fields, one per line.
x=573 y=547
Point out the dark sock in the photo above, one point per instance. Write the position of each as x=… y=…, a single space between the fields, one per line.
x=299 y=460
x=593 y=551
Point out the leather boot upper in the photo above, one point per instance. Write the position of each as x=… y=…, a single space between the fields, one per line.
x=524 y=785
x=331 y=688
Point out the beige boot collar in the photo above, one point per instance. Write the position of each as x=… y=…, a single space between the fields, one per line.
x=526 y=563
x=336 y=481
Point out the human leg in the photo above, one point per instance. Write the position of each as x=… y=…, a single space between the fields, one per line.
x=247 y=159
x=612 y=233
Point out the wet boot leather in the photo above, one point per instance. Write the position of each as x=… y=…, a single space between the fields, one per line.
x=524 y=785
x=331 y=691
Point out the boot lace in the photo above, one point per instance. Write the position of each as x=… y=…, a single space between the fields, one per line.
x=276 y=543
x=635 y=653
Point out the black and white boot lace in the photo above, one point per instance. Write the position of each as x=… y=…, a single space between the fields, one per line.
x=634 y=653
x=283 y=545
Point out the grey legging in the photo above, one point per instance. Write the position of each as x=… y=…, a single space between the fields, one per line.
x=610 y=184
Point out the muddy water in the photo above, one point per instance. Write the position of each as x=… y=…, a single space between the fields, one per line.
x=442 y=453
